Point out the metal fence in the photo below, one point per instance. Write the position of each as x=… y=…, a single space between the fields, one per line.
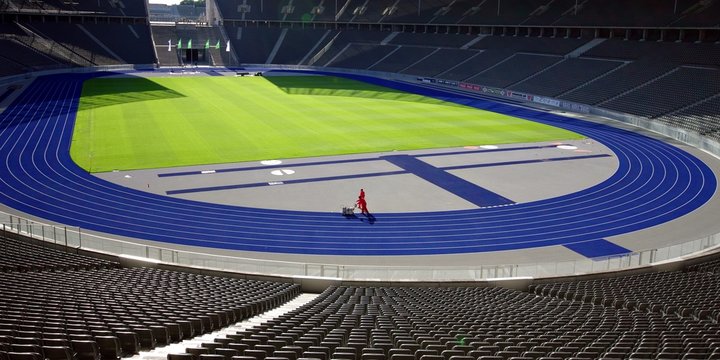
x=76 y=238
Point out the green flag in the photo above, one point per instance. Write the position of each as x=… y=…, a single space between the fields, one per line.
x=189 y=44
x=217 y=46
x=207 y=44
x=180 y=44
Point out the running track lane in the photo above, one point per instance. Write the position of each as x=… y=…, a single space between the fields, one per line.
x=655 y=183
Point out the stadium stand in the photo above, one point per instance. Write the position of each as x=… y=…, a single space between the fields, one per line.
x=514 y=69
x=87 y=8
x=625 y=78
x=20 y=256
x=361 y=56
x=669 y=92
x=55 y=303
x=568 y=74
x=436 y=62
x=298 y=44
x=553 y=46
x=161 y=34
x=692 y=294
x=261 y=41
x=402 y=57
x=74 y=38
x=700 y=117
x=432 y=40
x=474 y=62
x=469 y=323
x=335 y=45
x=18 y=58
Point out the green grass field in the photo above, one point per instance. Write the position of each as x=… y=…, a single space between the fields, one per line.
x=140 y=123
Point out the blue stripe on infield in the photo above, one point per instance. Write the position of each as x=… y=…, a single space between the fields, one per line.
x=597 y=248
x=448 y=182
x=285 y=182
x=348 y=161
x=354 y=176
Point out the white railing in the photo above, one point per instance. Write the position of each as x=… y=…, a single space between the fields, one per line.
x=79 y=239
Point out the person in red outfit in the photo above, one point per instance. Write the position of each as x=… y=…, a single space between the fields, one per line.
x=362 y=193
x=362 y=204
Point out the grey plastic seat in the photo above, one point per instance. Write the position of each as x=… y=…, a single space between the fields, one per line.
x=86 y=349
x=181 y=356
x=58 y=353
x=109 y=347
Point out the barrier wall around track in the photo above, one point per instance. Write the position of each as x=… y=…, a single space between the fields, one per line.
x=75 y=238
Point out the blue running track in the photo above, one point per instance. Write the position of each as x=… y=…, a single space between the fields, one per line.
x=655 y=183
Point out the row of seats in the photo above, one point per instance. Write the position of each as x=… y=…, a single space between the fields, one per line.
x=22 y=256
x=691 y=294
x=413 y=323
x=508 y=12
x=701 y=118
x=682 y=87
x=98 y=7
x=90 y=309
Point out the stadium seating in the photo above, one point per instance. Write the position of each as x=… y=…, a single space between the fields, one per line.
x=298 y=44
x=468 y=323
x=89 y=8
x=437 y=62
x=623 y=79
x=508 y=12
x=672 y=91
x=568 y=74
x=362 y=56
x=21 y=256
x=335 y=45
x=700 y=117
x=432 y=40
x=261 y=41
x=402 y=58
x=673 y=294
x=63 y=306
x=515 y=68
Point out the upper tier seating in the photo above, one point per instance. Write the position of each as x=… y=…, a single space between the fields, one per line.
x=298 y=44
x=101 y=44
x=515 y=68
x=334 y=45
x=625 y=78
x=672 y=91
x=130 y=8
x=566 y=75
x=19 y=58
x=401 y=58
x=361 y=56
x=648 y=13
x=439 y=61
x=253 y=45
x=432 y=40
